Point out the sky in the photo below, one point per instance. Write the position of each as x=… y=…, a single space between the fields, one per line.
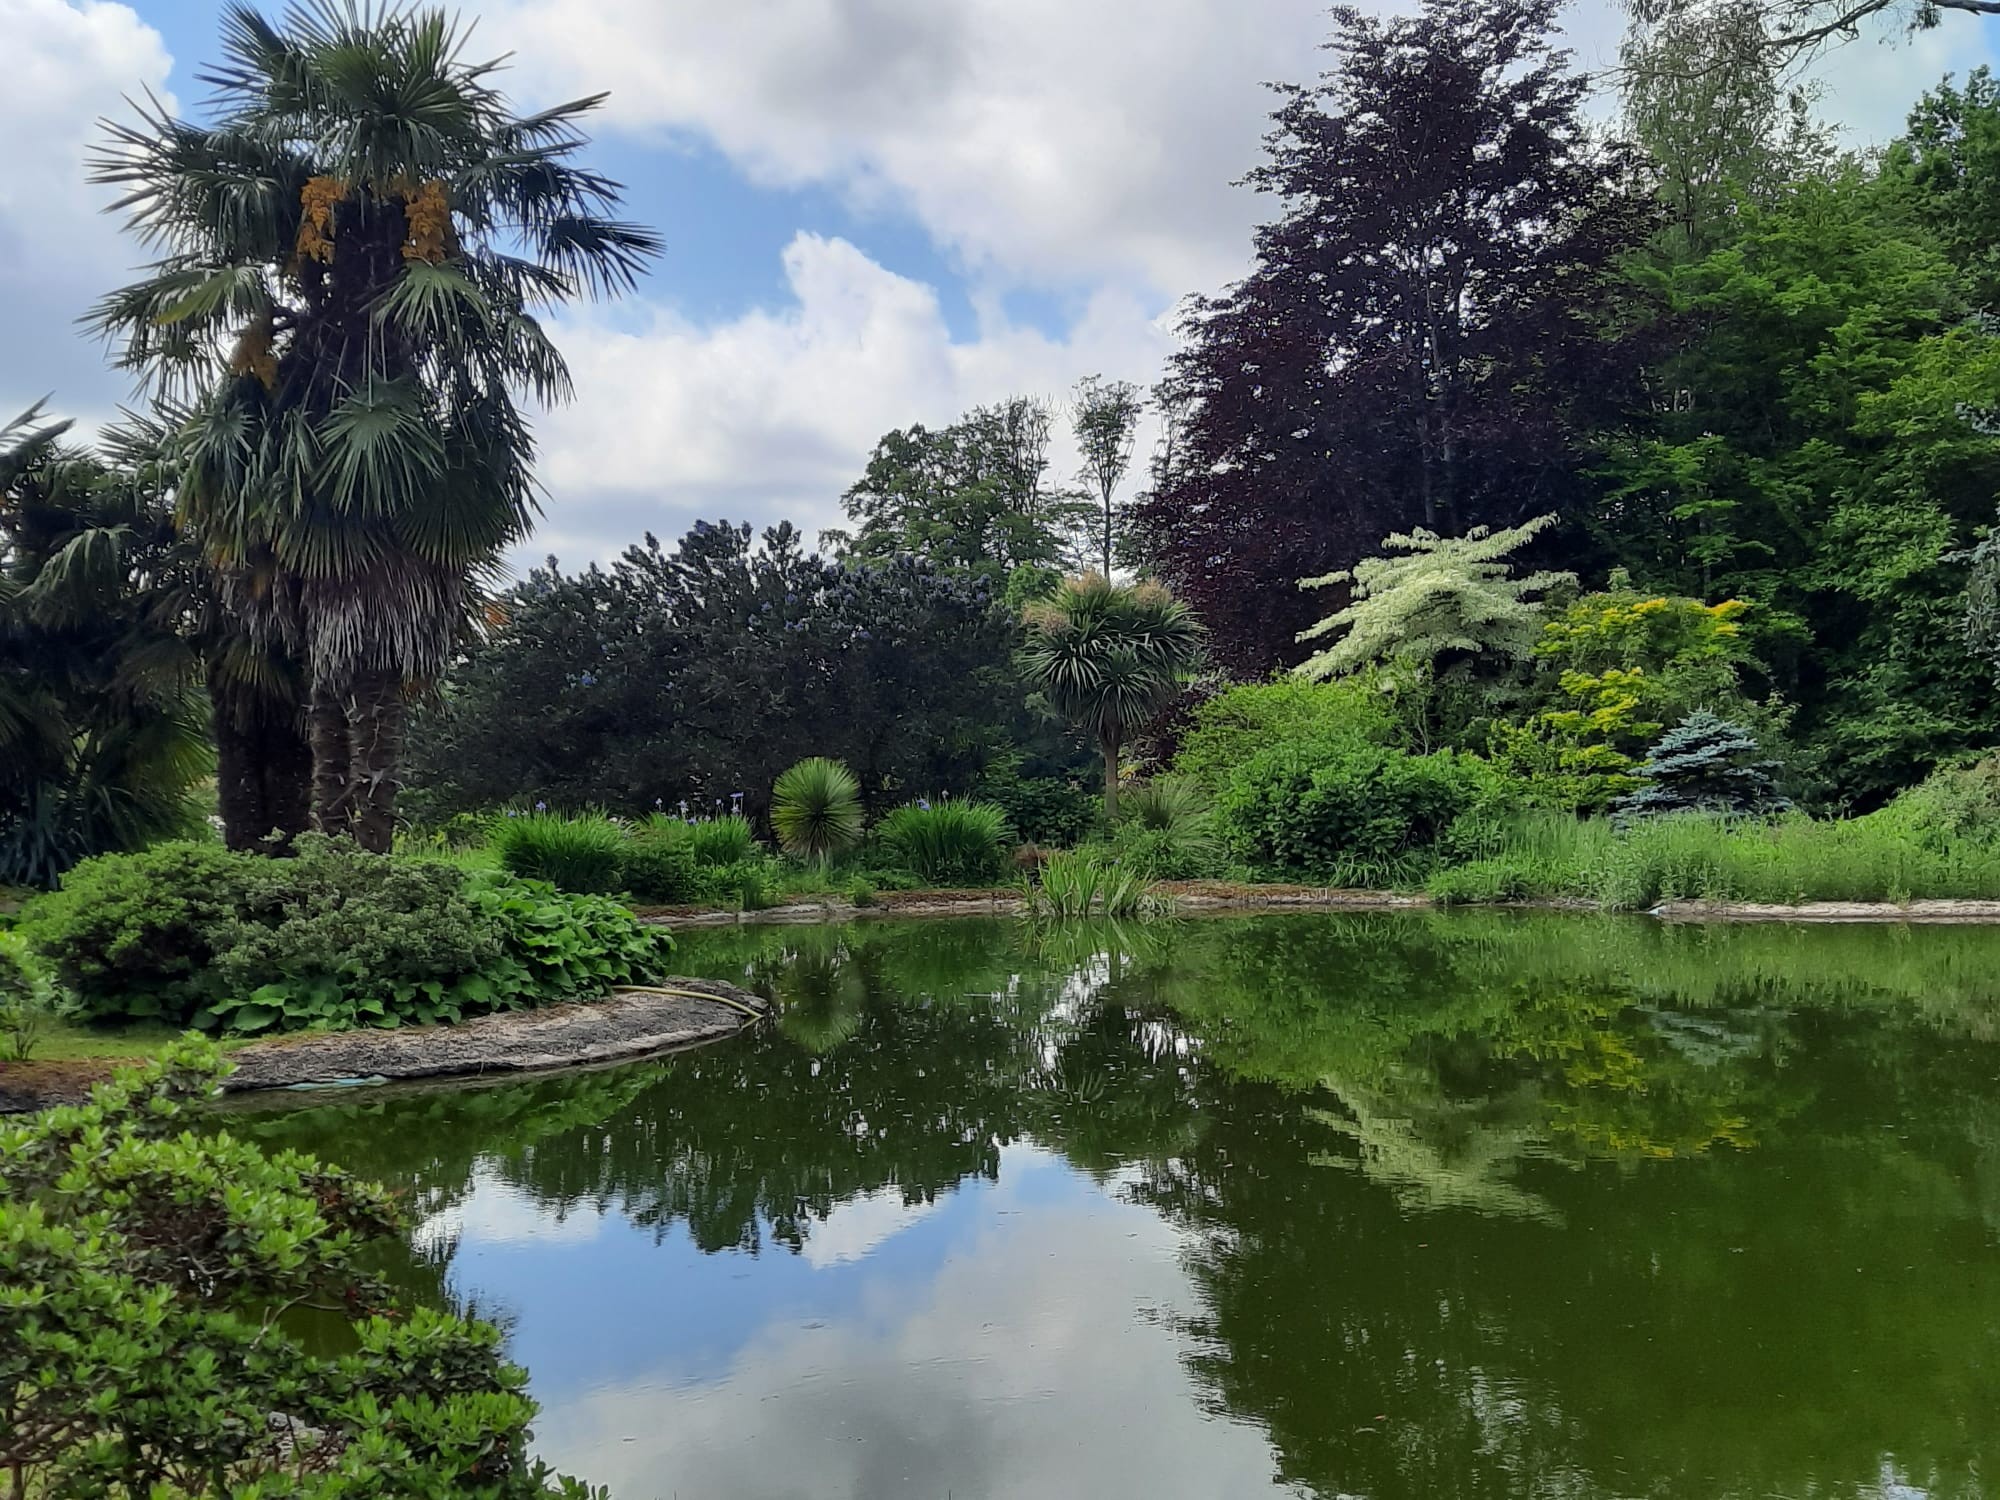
x=877 y=212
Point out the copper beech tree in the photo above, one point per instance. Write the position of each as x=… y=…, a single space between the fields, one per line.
x=1422 y=331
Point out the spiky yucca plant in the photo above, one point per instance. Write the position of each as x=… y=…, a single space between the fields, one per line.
x=1108 y=656
x=353 y=247
x=816 y=809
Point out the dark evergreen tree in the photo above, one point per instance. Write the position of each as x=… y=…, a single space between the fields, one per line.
x=708 y=668
x=1421 y=339
x=1703 y=764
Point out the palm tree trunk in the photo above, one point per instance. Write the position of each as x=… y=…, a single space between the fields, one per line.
x=326 y=722
x=375 y=741
x=263 y=764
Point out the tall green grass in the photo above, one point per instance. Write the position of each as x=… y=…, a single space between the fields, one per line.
x=1074 y=886
x=950 y=843
x=583 y=854
x=1882 y=857
x=727 y=840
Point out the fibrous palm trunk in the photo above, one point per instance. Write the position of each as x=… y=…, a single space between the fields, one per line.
x=263 y=764
x=326 y=719
x=375 y=717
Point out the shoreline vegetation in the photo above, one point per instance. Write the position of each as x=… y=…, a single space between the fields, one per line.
x=636 y=1022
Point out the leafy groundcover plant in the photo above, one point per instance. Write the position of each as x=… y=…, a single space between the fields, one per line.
x=145 y=1271
x=193 y=934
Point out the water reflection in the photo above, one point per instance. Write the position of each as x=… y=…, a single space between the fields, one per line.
x=1401 y=1207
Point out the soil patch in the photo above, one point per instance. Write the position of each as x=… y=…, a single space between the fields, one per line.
x=630 y=1023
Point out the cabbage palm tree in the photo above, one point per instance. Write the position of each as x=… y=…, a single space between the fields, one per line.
x=341 y=322
x=1108 y=657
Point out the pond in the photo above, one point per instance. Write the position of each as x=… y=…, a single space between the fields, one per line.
x=1417 y=1205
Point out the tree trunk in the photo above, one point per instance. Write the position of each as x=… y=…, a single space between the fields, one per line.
x=326 y=721
x=1108 y=746
x=263 y=765
x=375 y=741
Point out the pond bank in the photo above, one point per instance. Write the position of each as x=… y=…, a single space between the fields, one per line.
x=1186 y=895
x=1222 y=898
x=630 y=1023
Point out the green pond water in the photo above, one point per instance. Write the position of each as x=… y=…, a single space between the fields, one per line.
x=1423 y=1205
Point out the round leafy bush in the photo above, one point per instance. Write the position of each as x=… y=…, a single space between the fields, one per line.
x=573 y=854
x=816 y=809
x=192 y=934
x=951 y=843
x=1304 y=815
x=1055 y=810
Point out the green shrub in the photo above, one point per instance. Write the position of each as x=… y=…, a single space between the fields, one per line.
x=194 y=935
x=29 y=1002
x=861 y=891
x=1054 y=810
x=1241 y=722
x=581 y=854
x=747 y=884
x=659 y=868
x=1956 y=802
x=123 y=1364
x=1307 y=815
x=727 y=840
x=950 y=843
x=816 y=809
x=1502 y=878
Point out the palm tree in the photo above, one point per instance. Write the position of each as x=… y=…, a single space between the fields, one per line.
x=1108 y=657
x=342 y=316
x=101 y=729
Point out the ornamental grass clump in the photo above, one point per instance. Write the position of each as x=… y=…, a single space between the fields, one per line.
x=816 y=809
x=726 y=840
x=1077 y=885
x=949 y=843
x=583 y=854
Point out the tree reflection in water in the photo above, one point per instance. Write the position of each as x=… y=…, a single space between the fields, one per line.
x=1473 y=1204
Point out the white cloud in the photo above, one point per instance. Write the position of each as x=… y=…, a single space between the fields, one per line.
x=1039 y=1359
x=859 y=1225
x=771 y=415
x=1043 y=140
x=1868 y=85
x=67 y=66
x=493 y=1212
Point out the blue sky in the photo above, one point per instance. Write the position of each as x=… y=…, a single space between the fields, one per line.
x=877 y=212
